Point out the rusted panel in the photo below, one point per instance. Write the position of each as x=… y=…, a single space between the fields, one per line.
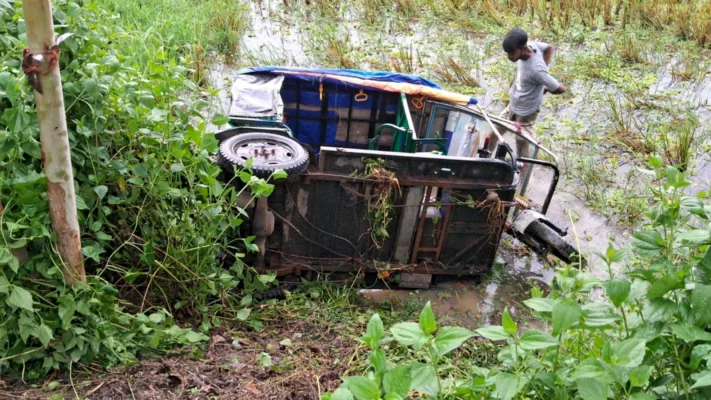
x=328 y=216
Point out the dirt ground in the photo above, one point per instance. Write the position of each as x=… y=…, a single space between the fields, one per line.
x=305 y=361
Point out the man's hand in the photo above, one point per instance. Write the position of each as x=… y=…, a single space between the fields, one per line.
x=561 y=89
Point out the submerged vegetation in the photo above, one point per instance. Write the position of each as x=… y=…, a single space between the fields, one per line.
x=162 y=237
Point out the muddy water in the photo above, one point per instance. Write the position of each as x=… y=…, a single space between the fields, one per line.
x=466 y=303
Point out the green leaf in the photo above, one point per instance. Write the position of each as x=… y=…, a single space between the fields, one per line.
x=243 y=314
x=642 y=396
x=409 y=334
x=705 y=262
x=494 y=332
x=264 y=360
x=663 y=285
x=617 y=290
x=92 y=251
x=427 y=319
x=195 y=337
x=702 y=380
x=639 y=376
x=176 y=167
x=450 y=337
x=362 y=387
x=508 y=323
x=374 y=332
x=244 y=176
x=698 y=354
x=220 y=119
x=540 y=304
x=690 y=333
x=629 y=353
x=591 y=389
x=279 y=174
x=647 y=243
x=694 y=206
x=656 y=162
x=566 y=313
x=9 y=259
x=67 y=308
x=424 y=379
x=44 y=334
x=4 y=285
x=101 y=191
x=20 y=298
x=508 y=385
x=377 y=360
x=638 y=290
x=534 y=339
x=700 y=301
x=615 y=255
x=157 y=318
x=398 y=381
x=591 y=368
x=695 y=236
x=342 y=393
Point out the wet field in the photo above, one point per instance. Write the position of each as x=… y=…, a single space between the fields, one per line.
x=625 y=96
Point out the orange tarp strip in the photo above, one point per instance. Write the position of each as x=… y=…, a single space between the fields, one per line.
x=397 y=87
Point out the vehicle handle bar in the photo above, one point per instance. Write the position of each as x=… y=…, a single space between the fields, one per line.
x=554 y=181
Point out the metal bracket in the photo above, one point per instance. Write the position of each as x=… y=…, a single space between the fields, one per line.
x=35 y=64
x=263 y=224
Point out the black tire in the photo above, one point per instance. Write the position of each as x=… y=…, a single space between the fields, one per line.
x=274 y=152
x=546 y=236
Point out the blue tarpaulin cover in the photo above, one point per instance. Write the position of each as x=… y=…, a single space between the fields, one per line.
x=351 y=73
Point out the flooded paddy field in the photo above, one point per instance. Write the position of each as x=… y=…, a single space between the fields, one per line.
x=631 y=94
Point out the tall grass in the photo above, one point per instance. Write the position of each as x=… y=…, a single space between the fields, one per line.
x=452 y=71
x=625 y=129
x=214 y=24
x=677 y=139
x=689 y=19
x=405 y=60
x=630 y=49
x=188 y=28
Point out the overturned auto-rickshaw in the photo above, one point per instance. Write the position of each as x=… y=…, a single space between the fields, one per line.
x=387 y=174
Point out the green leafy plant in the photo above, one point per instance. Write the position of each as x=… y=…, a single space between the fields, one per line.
x=155 y=219
x=396 y=382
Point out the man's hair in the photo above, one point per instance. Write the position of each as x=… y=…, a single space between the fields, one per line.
x=515 y=39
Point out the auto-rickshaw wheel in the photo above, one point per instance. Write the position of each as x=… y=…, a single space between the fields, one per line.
x=269 y=152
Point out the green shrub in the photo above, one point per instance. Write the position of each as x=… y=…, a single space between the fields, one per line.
x=152 y=214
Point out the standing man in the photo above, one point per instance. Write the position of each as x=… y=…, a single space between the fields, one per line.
x=526 y=93
x=532 y=80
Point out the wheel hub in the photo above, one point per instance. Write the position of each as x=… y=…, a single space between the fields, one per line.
x=265 y=152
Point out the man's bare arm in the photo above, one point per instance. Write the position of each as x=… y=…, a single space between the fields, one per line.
x=561 y=89
x=547 y=54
